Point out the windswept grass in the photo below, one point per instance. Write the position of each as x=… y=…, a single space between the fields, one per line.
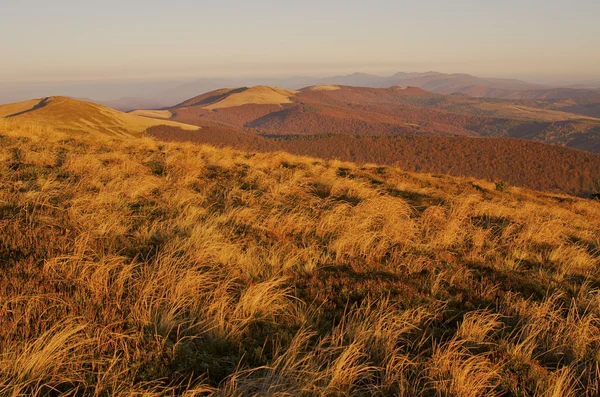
x=138 y=267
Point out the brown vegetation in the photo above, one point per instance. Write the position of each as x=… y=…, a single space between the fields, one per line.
x=231 y=117
x=135 y=267
x=589 y=106
x=516 y=161
x=216 y=136
x=391 y=111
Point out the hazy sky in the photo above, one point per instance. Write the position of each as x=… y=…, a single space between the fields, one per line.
x=107 y=39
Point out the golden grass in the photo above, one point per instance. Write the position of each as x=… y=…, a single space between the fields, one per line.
x=155 y=114
x=527 y=112
x=324 y=88
x=137 y=267
x=66 y=114
x=12 y=108
x=259 y=95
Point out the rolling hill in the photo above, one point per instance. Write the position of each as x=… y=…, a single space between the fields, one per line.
x=333 y=109
x=260 y=95
x=62 y=113
x=411 y=128
x=154 y=94
x=589 y=106
x=442 y=83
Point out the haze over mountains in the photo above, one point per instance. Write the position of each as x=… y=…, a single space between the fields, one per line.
x=129 y=95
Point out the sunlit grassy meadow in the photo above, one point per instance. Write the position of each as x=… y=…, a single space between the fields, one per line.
x=129 y=266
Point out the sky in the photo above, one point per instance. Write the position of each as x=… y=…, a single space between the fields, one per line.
x=66 y=40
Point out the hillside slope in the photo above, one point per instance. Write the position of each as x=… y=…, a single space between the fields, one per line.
x=137 y=267
x=514 y=161
x=589 y=106
x=68 y=114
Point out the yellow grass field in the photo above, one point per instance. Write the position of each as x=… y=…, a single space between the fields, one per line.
x=324 y=88
x=12 y=108
x=130 y=266
x=259 y=95
x=156 y=114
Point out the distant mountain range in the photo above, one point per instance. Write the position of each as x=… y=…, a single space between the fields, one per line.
x=464 y=84
x=127 y=96
x=431 y=81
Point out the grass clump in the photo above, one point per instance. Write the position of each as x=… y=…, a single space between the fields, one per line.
x=502 y=186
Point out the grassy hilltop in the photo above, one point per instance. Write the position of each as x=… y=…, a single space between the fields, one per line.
x=130 y=266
